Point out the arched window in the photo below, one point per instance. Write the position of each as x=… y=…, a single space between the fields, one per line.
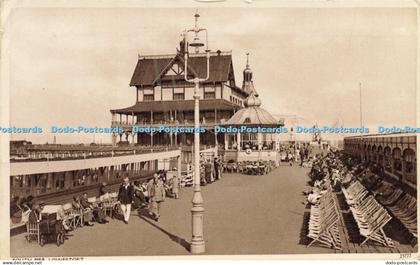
x=396 y=155
x=409 y=156
x=380 y=154
x=387 y=159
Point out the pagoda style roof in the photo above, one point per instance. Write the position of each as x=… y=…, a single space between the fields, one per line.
x=179 y=105
x=150 y=69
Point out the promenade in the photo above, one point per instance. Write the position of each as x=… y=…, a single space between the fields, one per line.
x=243 y=215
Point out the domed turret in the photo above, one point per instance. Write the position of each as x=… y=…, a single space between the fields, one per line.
x=252 y=114
x=247 y=84
x=247 y=71
x=252 y=100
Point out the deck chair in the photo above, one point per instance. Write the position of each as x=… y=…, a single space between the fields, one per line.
x=375 y=232
x=354 y=193
x=92 y=199
x=75 y=217
x=323 y=222
x=109 y=201
x=32 y=229
x=390 y=199
x=405 y=210
x=371 y=217
x=67 y=209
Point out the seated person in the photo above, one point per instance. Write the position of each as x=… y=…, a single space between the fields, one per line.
x=19 y=209
x=313 y=197
x=103 y=189
x=35 y=214
x=346 y=181
x=87 y=213
x=98 y=212
x=139 y=197
x=61 y=216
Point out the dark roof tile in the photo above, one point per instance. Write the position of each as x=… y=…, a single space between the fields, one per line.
x=148 y=69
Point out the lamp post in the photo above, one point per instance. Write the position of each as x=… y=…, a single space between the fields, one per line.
x=197 y=210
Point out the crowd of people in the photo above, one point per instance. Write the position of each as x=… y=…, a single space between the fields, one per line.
x=149 y=195
x=342 y=170
x=298 y=153
x=131 y=196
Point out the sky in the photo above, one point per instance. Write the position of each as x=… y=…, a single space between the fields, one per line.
x=70 y=66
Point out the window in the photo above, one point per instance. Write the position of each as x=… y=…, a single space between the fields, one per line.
x=148 y=94
x=387 y=158
x=148 y=97
x=209 y=95
x=396 y=154
x=268 y=142
x=209 y=92
x=79 y=178
x=179 y=93
x=60 y=180
x=179 y=96
x=409 y=158
x=249 y=141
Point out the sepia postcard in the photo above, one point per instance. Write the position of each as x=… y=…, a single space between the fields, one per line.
x=239 y=129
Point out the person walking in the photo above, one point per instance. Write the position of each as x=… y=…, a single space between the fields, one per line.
x=158 y=192
x=175 y=184
x=216 y=168
x=302 y=156
x=297 y=154
x=150 y=192
x=125 y=198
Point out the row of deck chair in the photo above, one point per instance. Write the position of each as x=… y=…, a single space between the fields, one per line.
x=354 y=193
x=323 y=222
x=33 y=230
x=405 y=210
x=371 y=217
x=388 y=195
x=74 y=217
x=402 y=206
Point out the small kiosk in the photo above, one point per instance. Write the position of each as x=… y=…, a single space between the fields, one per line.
x=260 y=141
